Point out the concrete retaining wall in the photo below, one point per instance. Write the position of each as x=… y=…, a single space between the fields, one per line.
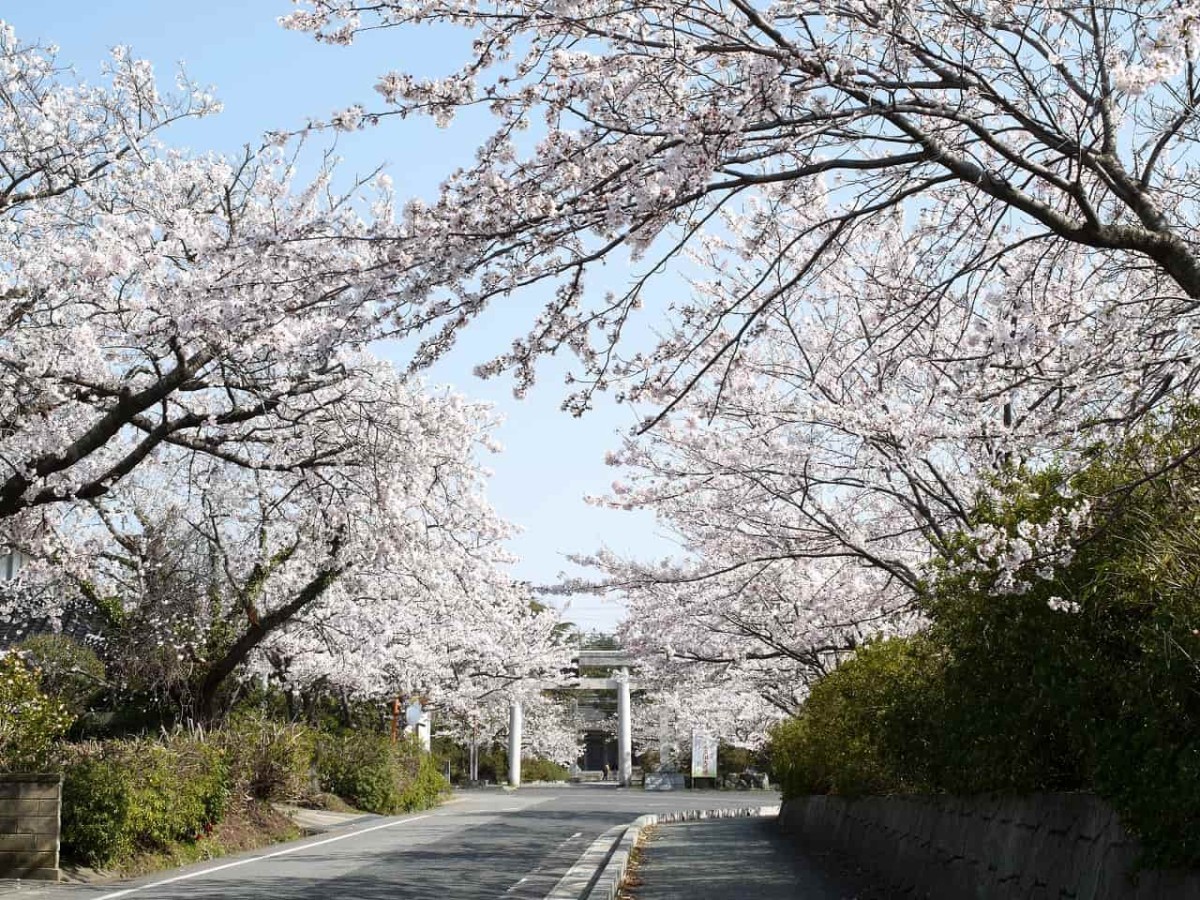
x=29 y=826
x=1068 y=846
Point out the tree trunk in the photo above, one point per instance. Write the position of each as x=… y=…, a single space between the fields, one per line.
x=210 y=688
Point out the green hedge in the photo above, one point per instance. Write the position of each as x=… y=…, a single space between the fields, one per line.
x=121 y=796
x=538 y=769
x=371 y=773
x=850 y=737
x=97 y=811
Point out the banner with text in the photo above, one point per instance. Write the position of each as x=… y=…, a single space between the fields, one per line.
x=704 y=755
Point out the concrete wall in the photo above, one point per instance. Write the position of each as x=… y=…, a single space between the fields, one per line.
x=988 y=847
x=29 y=826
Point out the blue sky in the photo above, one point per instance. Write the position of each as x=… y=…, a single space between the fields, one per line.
x=269 y=78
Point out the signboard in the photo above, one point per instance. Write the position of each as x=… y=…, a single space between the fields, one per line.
x=412 y=715
x=704 y=755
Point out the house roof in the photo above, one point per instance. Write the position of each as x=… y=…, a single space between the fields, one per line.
x=73 y=624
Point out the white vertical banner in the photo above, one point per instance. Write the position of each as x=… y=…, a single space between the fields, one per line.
x=704 y=755
x=666 y=749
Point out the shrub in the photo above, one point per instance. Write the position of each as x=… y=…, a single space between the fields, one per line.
x=359 y=768
x=734 y=759
x=538 y=769
x=181 y=788
x=123 y=795
x=69 y=671
x=267 y=759
x=839 y=744
x=493 y=763
x=30 y=722
x=371 y=773
x=425 y=786
x=96 y=809
x=1103 y=698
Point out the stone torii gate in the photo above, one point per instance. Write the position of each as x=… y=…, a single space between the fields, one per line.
x=620 y=663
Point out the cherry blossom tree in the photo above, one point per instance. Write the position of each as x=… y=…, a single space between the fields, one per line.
x=677 y=706
x=193 y=440
x=928 y=243
x=355 y=559
x=1048 y=128
x=515 y=651
x=477 y=643
x=551 y=728
x=816 y=483
x=152 y=299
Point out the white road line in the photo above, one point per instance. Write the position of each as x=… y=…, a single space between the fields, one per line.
x=564 y=843
x=537 y=802
x=542 y=868
x=246 y=862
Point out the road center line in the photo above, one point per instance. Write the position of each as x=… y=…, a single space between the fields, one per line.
x=254 y=859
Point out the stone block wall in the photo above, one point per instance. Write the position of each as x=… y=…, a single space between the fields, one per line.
x=1044 y=846
x=663 y=781
x=30 y=816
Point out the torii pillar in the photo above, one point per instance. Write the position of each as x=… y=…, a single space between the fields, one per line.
x=624 y=731
x=515 y=721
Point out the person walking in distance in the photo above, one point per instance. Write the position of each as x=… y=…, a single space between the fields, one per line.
x=605 y=772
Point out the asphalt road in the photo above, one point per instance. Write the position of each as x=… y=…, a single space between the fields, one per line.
x=484 y=844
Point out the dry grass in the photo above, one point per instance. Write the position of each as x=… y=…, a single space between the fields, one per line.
x=328 y=803
x=637 y=856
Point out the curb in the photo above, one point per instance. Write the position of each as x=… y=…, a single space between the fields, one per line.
x=613 y=874
x=577 y=883
x=600 y=872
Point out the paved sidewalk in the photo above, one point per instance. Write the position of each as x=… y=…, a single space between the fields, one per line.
x=316 y=821
x=732 y=859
